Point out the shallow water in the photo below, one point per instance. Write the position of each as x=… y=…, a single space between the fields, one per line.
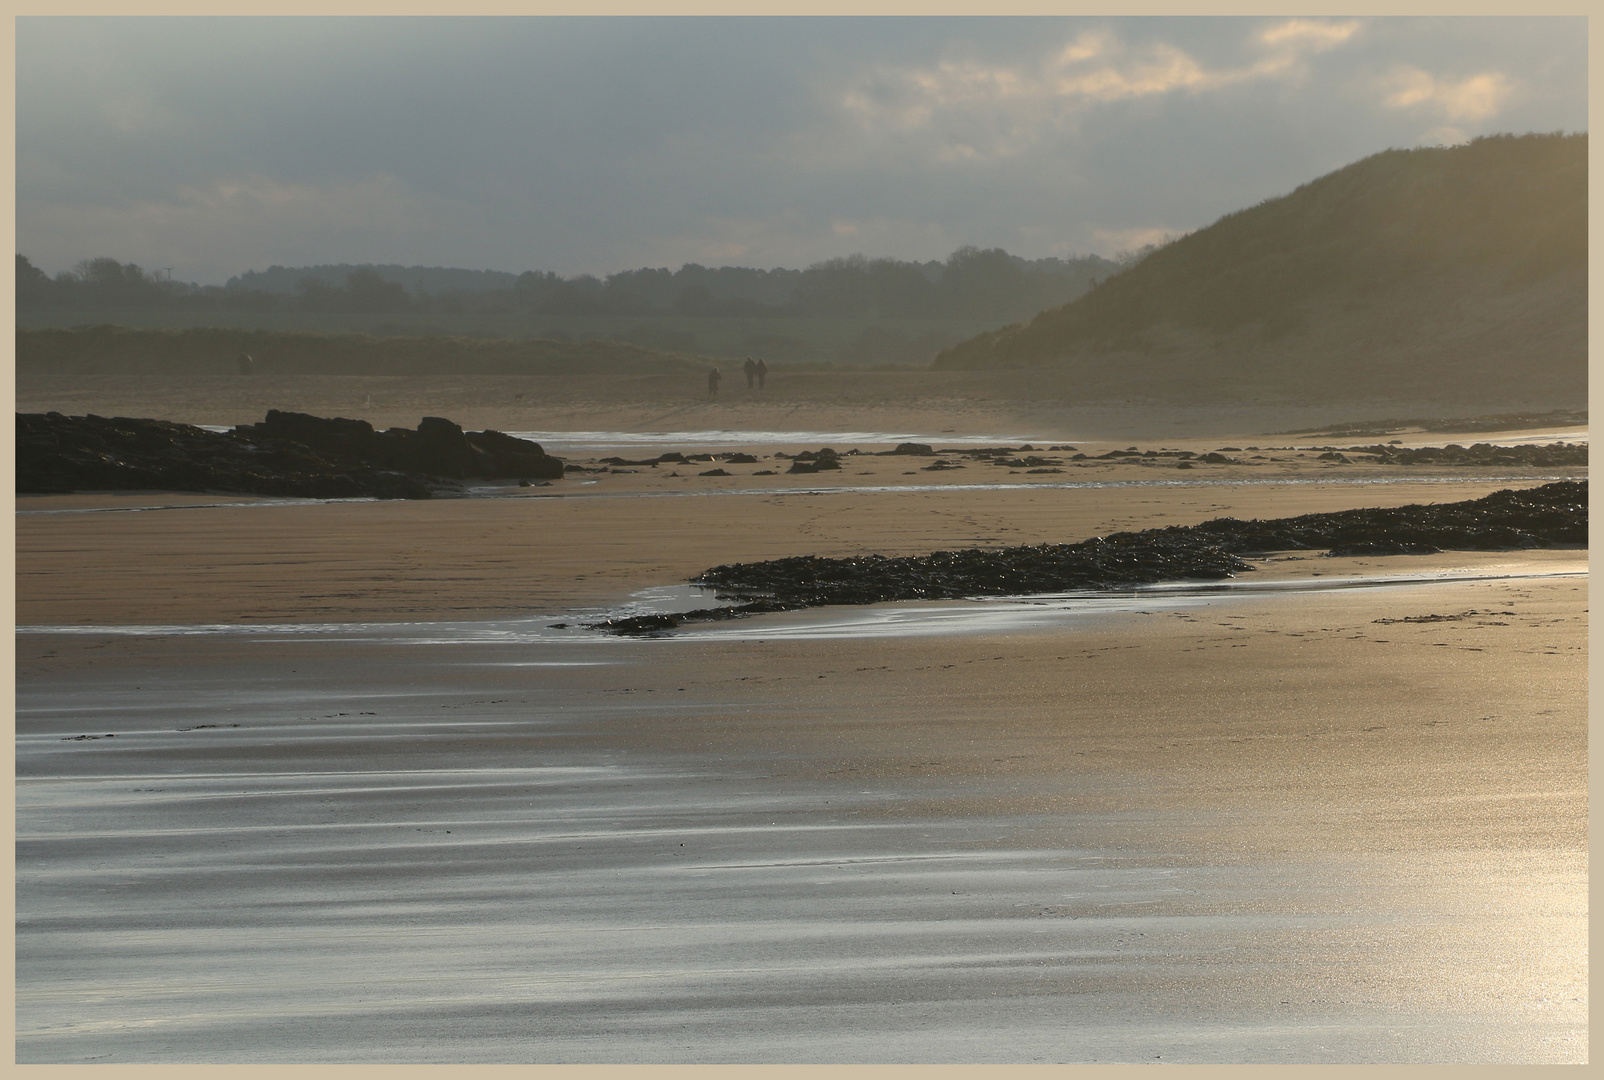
x=598 y=441
x=1535 y=438
x=579 y=441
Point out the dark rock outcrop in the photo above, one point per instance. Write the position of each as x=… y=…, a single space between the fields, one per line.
x=437 y=448
x=291 y=454
x=1554 y=515
x=1554 y=455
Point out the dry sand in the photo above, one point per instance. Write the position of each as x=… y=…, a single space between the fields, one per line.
x=1239 y=826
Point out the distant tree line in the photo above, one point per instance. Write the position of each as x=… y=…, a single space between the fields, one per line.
x=970 y=284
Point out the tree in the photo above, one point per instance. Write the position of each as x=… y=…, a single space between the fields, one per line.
x=370 y=293
x=34 y=286
x=982 y=284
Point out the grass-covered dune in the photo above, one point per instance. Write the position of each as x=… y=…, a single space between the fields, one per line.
x=1405 y=271
x=215 y=351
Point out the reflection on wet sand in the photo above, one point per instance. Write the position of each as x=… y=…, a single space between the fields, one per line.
x=1238 y=825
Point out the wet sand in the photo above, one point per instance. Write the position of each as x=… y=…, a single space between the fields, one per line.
x=1256 y=829
x=595 y=537
x=1341 y=825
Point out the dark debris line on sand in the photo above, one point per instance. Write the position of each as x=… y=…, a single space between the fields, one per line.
x=1554 y=515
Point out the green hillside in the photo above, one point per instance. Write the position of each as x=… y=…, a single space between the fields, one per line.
x=1462 y=269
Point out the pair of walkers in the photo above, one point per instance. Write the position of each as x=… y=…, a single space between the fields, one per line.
x=756 y=372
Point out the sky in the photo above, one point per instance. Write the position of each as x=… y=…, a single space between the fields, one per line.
x=213 y=146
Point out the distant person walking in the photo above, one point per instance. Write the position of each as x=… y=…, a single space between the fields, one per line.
x=762 y=370
x=713 y=376
x=751 y=372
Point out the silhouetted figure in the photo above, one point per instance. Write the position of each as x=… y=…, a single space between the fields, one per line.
x=762 y=370
x=751 y=372
x=245 y=364
x=713 y=376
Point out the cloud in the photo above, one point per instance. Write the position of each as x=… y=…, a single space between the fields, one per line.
x=1444 y=136
x=791 y=238
x=138 y=115
x=1111 y=242
x=1475 y=98
x=979 y=111
x=594 y=145
x=198 y=223
x=1304 y=33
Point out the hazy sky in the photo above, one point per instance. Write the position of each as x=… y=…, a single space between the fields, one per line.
x=215 y=146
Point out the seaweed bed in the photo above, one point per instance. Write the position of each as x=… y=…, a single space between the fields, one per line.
x=1554 y=515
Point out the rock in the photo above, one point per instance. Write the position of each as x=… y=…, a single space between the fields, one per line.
x=443 y=450
x=287 y=453
x=1553 y=455
x=914 y=449
x=507 y=455
x=1551 y=515
x=61 y=453
x=740 y=459
x=713 y=472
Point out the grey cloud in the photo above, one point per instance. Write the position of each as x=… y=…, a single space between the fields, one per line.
x=601 y=144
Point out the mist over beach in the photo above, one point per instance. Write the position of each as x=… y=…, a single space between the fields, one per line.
x=801 y=540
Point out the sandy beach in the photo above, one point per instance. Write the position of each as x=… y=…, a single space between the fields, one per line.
x=305 y=781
